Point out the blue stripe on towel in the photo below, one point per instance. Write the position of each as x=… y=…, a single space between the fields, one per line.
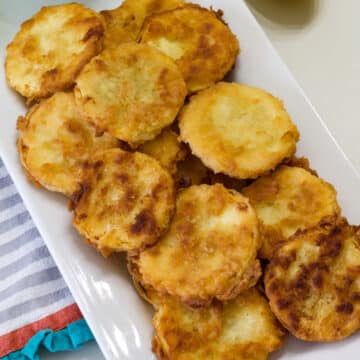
x=30 y=305
x=5 y=181
x=14 y=221
x=26 y=260
x=20 y=240
x=29 y=281
x=31 y=286
x=10 y=201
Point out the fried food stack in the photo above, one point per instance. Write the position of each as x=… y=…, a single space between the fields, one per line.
x=193 y=177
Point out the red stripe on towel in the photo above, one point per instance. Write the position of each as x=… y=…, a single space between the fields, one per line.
x=17 y=339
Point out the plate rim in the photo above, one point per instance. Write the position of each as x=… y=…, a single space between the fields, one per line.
x=74 y=288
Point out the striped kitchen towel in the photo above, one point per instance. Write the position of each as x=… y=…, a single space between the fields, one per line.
x=33 y=295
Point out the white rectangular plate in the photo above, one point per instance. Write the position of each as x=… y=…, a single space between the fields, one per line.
x=120 y=321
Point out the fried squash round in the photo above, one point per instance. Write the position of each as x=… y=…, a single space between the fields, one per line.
x=55 y=143
x=132 y=91
x=200 y=43
x=313 y=282
x=209 y=250
x=166 y=148
x=126 y=201
x=289 y=199
x=123 y=24
x=241 y=329
x=51 y=48
x=238 y=130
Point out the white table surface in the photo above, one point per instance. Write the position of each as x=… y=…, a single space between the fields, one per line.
x=319 y=41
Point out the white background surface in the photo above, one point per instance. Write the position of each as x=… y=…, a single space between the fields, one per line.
x=319 y=41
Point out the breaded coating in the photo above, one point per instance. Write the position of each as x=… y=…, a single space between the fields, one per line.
x=132 y=91
x=166 y=148
x=55 y=143
x=313 y=282
x=51 y=48
x=180 y=330
x=209 y=250
x=289 y=199
x=300 y=162
x=238 y=130
x=241 y=329
x=126 y=201
x=123 y=24
x=147 y=293
x=200 y=43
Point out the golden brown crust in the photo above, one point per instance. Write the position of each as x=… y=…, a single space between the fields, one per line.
x=289 y=199
x=55 y=143
x=198 y=40
x=241 y=329
x=209 y=250
x=238 y=130
x=166 y=148
x=148 y=293
x=126 y=202
x=132 y=91
x=180 y=329
x=51 y=48
x=123 y=24
x=313 y=282
x=300 y=162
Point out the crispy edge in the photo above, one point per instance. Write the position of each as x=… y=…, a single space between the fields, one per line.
x=246 y=280
x=85 y=187
x=48 y=84
x=131 y=20
x=219 y=16
x=151 y=148
x=272 y=237
x=224 y=164
x=327 y=228
x=175 y=348
x=101 y=122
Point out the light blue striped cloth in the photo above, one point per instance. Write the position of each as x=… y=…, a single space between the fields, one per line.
x=31 y=286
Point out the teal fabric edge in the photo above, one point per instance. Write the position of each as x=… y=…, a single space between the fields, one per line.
x=70 y=338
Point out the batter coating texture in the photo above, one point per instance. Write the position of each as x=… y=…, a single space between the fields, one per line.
x=200 y=43
x=51 y=48
x=313 y=282
x=123 y=24
x=238 y=130
x=166 y=148
x=147 y=293
x=132 y=91
x=209 y=250
x=289 y=199
x=300 y=162
x=55 y=143
x=241 y=329
x=126 y=202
